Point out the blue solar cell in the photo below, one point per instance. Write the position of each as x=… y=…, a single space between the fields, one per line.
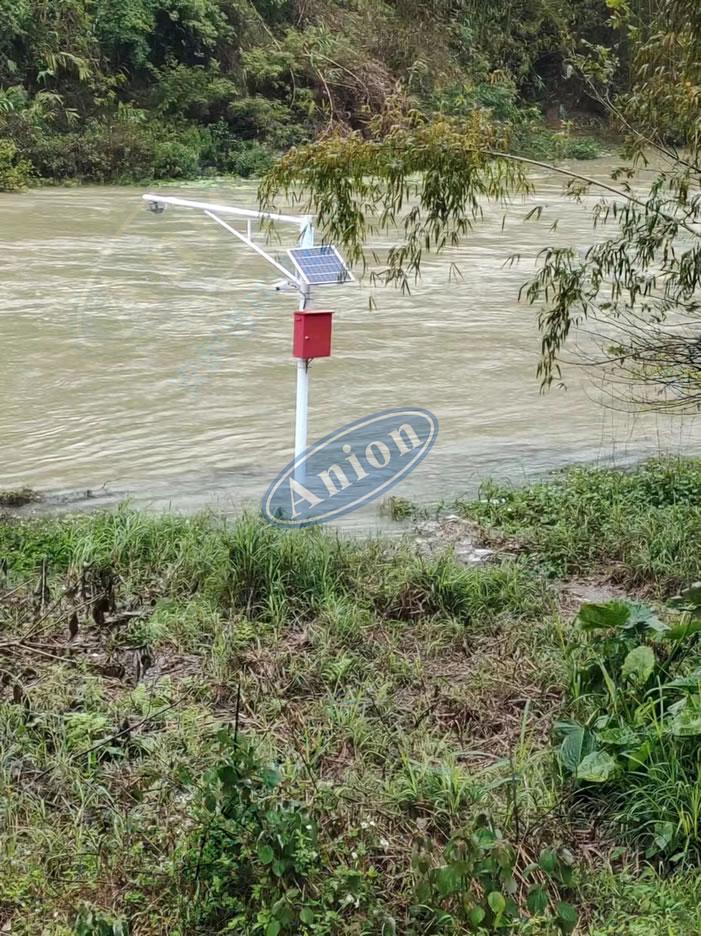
x=320 y=266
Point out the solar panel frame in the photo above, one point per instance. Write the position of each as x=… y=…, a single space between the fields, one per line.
x=329 y=269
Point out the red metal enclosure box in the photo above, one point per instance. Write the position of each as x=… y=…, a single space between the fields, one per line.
x=312 y=334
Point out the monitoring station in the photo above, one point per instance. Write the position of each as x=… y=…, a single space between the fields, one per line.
x=310 y=265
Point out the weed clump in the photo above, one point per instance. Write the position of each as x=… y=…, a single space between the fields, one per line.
x=631 y=742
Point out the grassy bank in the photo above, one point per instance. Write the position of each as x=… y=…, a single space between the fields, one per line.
x=640 y=528
x=213 y=727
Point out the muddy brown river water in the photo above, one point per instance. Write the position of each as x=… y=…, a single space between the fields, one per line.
x=147 y=357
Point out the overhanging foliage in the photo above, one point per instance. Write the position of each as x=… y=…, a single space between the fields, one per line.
x=431 y=178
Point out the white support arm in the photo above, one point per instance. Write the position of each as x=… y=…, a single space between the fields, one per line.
x=297 y=220
x=290 y=277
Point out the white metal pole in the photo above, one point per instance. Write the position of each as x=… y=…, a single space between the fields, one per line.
x=302 y=409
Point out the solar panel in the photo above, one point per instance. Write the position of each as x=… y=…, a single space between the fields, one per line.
x=320 y=266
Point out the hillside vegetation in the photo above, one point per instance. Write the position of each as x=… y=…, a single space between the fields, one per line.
x=130 y=89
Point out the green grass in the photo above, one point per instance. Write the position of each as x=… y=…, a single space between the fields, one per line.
x=374 y=679
x=640 y=528
x=630 y=904
x=212 y=727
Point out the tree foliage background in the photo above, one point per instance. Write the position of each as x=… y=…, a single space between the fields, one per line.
x=638 y=288
x=115 y=89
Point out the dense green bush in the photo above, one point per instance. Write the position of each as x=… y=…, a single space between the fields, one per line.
x=528 y=135
x=248 y=158
x=584 y=147
x=472 y=888
x=15 y=172
x=105 y=152
x=530 y=138
x=499 y=98
x=123 y=150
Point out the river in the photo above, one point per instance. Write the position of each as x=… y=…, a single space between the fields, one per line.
x=147 y=356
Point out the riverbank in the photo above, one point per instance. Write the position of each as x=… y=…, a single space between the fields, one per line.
x=119 y=155
x=210 y=725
